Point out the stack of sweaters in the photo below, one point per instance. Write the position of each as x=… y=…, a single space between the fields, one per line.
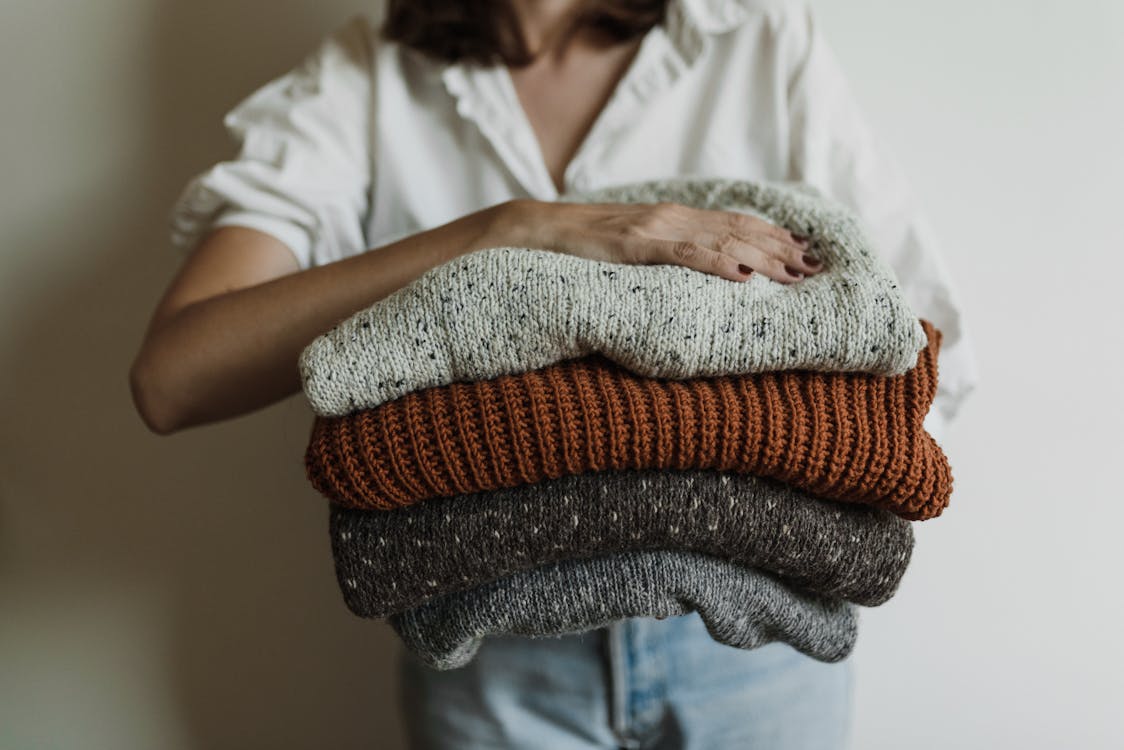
x=525 y=442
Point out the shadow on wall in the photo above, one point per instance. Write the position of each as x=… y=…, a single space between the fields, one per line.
x=191 y=573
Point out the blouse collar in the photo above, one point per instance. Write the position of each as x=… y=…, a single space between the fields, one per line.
x=689 y=23
x=686 y=27
x=485 y=95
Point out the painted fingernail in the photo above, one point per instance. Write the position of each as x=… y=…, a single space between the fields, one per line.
x=744 y=268
x=793 y=272
x=799 y=238
x=811 y=261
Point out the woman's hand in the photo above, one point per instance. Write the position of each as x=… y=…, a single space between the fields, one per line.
x=724 y=243
x=226 y=337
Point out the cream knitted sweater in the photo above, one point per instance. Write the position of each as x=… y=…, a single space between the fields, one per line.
x=508 y=310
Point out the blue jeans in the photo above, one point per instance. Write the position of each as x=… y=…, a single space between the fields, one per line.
x=639 y=683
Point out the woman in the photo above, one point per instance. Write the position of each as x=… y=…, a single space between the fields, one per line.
x=456 y=130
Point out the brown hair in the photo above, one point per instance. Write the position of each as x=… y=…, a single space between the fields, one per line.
x=487 y=31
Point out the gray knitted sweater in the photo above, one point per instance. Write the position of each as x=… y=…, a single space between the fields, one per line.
x=508 y=310
x=387 y=561
x=740 y=606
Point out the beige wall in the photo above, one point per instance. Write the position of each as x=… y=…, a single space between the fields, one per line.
x=178 y=593
x=154 y=592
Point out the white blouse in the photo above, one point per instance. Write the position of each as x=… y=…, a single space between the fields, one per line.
x=367 y=141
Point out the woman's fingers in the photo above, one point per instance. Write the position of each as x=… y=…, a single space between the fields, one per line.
x=764 y=252
x=725 y=243
x=731 y=257
x=755 y=243
x=696 y=256
x=797 y=258
x=746 y=225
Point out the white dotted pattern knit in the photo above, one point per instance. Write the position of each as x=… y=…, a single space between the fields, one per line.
x=507 y=310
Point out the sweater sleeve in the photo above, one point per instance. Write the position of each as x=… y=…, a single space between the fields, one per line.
x=303 y=168
x=834 y=149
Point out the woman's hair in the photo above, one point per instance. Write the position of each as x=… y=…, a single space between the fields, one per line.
x=487 y=31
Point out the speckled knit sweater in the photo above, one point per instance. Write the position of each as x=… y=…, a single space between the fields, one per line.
x=740 y=607
x=508 y=310
x=388 y=561
x=844 y=436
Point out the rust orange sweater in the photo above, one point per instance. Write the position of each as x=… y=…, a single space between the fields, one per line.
x=847 y=436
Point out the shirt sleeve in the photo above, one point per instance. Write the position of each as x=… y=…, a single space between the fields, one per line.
x=834 y=149
x=303 y=168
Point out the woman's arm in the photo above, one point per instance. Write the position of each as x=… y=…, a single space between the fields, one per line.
x=227 y=335
x=225 y=338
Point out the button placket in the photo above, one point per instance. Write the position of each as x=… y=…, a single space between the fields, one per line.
x=658 y=65
x=476 y=91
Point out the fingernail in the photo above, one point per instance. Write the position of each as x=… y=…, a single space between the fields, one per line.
x=811 y=261
x=800 y=239
x=744 y=268
x=793 y=272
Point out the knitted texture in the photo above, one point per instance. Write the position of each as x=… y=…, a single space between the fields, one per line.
x=394 y=560
x=853 y=437
x=741 y=607
x=508 y=310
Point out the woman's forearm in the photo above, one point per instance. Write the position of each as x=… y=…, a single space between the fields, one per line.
x=212 y=353
x=235 y=352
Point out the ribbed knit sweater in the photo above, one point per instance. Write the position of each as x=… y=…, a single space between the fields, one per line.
x=853 y=437
x=741 y=607
x=508 y=310
x=387 y=561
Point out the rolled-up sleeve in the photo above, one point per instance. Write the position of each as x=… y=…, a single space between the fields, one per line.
x=303 y=169
x=835 y=150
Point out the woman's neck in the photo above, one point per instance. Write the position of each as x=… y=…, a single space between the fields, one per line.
x=547 y=26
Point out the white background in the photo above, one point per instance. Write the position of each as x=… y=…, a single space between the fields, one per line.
x=178 y=592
